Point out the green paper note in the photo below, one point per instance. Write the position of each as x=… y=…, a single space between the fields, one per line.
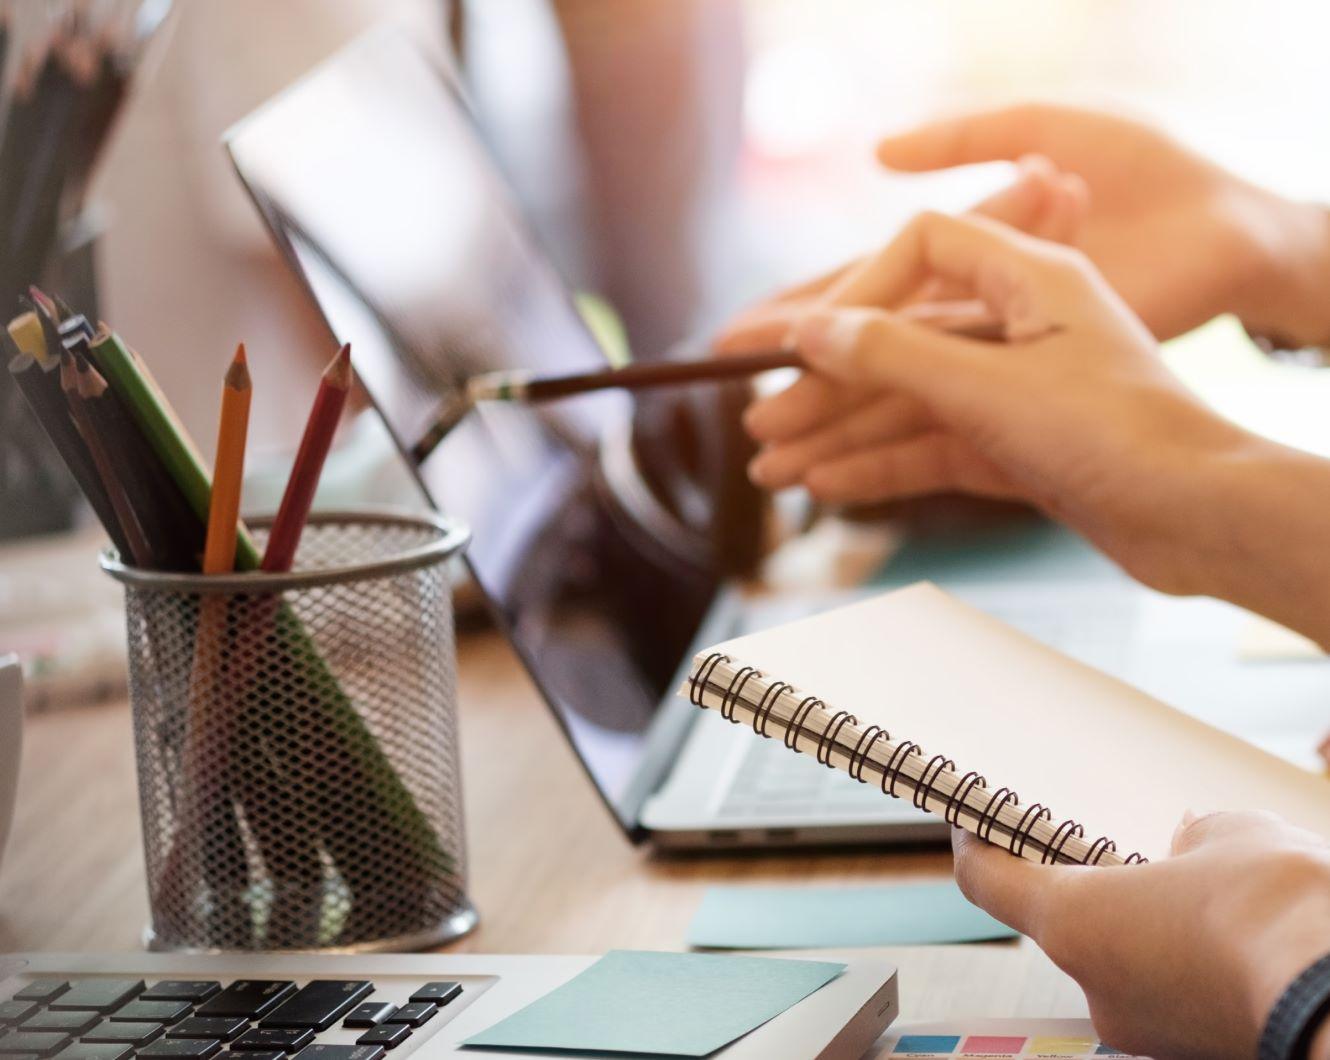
x=664 y=1004
x=756 y=918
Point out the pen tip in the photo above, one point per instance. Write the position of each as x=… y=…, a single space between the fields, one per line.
x=240 y=357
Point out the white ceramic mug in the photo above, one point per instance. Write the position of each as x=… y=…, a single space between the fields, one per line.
x=11 y=740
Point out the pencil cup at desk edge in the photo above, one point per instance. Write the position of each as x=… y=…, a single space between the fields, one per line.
x=296 y=738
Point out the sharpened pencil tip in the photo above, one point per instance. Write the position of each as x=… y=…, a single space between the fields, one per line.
x=237 y=373
x=42 y=299
x=338 y=373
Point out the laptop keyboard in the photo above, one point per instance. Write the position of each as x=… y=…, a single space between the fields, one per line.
x=773 y=783
x=205 y=1019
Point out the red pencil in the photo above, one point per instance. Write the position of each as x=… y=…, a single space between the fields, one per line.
x=304 y=480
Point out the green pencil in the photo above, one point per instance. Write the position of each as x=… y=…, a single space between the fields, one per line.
x=137 y=389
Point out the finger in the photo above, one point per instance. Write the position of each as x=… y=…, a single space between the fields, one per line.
x=1010 y=888
x=763 y=325
x=1022 y=202
x=884 y=419
x=927 y=463
x=959 y=249
x=1197 y=832
x=804 y=406
x=875 y=349
x=989 y=136
x=1064 y=211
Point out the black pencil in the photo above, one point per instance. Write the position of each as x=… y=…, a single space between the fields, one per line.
x=173 y=531
x=40 y=386
x=139 y=549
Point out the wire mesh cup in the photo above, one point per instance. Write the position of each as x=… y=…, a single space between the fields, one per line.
x=296 y=737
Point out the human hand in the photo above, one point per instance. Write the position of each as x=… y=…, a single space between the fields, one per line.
x=1180 y=238
x=1076 y=414
x=1178 y=958
x=1041 y=201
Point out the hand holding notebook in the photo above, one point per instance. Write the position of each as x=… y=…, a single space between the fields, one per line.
x=933 y=701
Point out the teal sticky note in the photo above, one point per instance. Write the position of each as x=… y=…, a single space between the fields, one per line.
x=666 y=1004
x=789 y=918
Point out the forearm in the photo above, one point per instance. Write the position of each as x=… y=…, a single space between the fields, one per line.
x=1288 y=299
x=1263 y=535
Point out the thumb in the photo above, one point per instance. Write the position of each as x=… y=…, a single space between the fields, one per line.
x=1009 y=888
x=864 y=345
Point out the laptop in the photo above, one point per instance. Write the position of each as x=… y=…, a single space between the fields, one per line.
x=126 y=1006
x=380 y=193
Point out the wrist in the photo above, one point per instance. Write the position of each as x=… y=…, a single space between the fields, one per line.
x=1290 y=936
x=1288 y=300
x=1260 y=519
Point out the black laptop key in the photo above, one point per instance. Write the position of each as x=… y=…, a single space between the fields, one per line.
x=94 y=1051
x=134 y=1034
x=181 y=1049
x=253 y=1054
x=265 y=1039
x=151 y=1011
x=15 y=1011
x=250 y=998
x=219 y=1028
x=181 y=990
x=340 y=1052
x=414 y=1014
x=388 y=1035
x=439 y=993
x=370 y=1014
x=42 y=990
x=98 y=995
x=37 y=1043
x=320 y=1003
x=74 y=1023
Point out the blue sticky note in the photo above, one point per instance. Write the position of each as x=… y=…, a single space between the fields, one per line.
x=669 y=1004
x=787 y=918
x=926 y=1044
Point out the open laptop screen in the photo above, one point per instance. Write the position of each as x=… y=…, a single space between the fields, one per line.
x=379 y=191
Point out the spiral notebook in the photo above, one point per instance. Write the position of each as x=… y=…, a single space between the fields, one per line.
x=935 y=702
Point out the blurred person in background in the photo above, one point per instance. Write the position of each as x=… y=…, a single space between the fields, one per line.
x=1076 y=414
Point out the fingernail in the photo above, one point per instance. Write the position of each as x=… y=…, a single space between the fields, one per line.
x=790 y=342
x=753 y=418
x=810 y=334
x=758 y=471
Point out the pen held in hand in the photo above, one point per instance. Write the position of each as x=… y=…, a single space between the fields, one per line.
x=971 y=319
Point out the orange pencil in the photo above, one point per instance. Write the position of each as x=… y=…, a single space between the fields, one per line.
x=304 y=480
x=219 y=550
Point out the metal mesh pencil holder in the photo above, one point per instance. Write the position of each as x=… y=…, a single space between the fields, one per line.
x=296 y=737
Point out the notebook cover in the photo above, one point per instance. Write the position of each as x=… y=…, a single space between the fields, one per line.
x=933 y=670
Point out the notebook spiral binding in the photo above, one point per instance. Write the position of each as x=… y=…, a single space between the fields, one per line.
x=1050 y=847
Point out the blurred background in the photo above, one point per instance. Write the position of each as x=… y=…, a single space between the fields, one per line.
x=678 y=156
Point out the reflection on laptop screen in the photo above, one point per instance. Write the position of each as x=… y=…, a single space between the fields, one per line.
x=379 y=191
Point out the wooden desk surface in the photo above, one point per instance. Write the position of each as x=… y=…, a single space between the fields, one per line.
x=551 y=874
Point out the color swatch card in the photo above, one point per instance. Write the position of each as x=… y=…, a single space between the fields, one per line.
x=788 y=918
x=998 y=1039
x=664 y=1004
